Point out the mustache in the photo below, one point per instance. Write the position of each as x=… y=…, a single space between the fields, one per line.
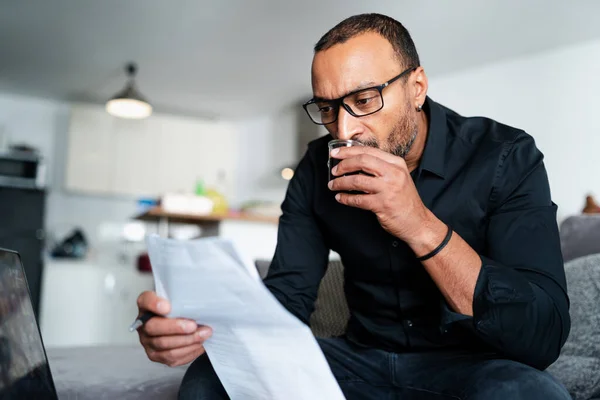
x=397 y=149
x=371 y=142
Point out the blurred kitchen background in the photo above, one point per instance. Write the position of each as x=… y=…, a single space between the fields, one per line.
x=80 y=187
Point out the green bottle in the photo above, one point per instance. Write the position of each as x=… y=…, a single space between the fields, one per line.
x=200 y=191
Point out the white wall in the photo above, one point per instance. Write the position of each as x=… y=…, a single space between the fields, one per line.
x=554 y=97
x=266 y=145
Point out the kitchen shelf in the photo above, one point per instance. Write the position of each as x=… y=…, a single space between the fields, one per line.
x=209 y=223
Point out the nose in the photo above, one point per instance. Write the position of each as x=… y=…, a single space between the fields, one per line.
x=346 y=127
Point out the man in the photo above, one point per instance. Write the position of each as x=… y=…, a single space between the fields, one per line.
x=454 y=275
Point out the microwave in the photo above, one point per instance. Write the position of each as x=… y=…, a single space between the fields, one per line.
x=22 y=169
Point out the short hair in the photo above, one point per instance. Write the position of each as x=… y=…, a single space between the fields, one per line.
x=392 y=30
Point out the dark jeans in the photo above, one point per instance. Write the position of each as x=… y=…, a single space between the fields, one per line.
x=376 y=374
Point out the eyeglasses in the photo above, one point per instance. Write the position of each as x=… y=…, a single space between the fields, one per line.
x=359 y=103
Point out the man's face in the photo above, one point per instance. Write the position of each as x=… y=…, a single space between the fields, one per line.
x=363 y=61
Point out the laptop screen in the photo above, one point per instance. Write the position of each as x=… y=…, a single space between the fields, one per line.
x=24 y=370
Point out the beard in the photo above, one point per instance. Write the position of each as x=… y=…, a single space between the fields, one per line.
x=401 y=137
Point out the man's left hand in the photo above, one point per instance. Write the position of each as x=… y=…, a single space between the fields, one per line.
x=389 y=191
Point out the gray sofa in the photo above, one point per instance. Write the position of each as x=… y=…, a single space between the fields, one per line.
x=578 y=366
x=125 y=372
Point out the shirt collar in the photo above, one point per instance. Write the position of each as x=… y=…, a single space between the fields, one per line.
x=434 y=154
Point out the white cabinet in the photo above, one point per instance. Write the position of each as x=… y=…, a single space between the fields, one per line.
x=89 y=142
x=86 y=303
x=134 y=157
x=163 y=153
x=192 y=149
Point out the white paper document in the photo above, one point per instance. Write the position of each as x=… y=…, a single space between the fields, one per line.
x=258 y=349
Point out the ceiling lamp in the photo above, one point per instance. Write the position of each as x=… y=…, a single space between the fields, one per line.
x=287 y=173
x=129 y=103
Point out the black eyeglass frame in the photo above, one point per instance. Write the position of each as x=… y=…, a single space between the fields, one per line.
x=340 y=101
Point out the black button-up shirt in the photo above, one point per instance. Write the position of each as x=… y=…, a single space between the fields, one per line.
x=487 y=181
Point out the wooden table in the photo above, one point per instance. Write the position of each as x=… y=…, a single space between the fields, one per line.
x=208 y=223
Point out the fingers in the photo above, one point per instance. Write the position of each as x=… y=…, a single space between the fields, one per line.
x=149 y=301
x=178 y=356
x=363 y=162
x=160 y=326
x=170 y=342
x=364 y=201
x=353 y=151
x=173 y=350
x=357 y=182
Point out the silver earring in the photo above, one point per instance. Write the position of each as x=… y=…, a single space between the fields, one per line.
x=419 y=108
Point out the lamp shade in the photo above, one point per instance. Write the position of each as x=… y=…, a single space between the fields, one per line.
x=129 y=103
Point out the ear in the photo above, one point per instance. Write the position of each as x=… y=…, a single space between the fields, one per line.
x=420 y=86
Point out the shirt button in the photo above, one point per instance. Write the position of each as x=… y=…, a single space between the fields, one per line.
x=409 y=323
x=395 y=243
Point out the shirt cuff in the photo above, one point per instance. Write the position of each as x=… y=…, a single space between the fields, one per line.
x=449 y=316
x=496 y=286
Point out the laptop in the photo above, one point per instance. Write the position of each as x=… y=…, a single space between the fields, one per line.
x=24 y=370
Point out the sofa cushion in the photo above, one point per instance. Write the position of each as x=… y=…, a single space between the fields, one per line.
x=579 y=375
x=331 y=313
x=579 y=361
x=112 y=372
x=580 y=236
x=583 y=283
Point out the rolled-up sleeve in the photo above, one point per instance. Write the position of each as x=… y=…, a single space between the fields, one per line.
x=520 y=304
x=301 y=255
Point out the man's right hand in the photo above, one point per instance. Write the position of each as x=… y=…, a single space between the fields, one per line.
x=170 y=341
